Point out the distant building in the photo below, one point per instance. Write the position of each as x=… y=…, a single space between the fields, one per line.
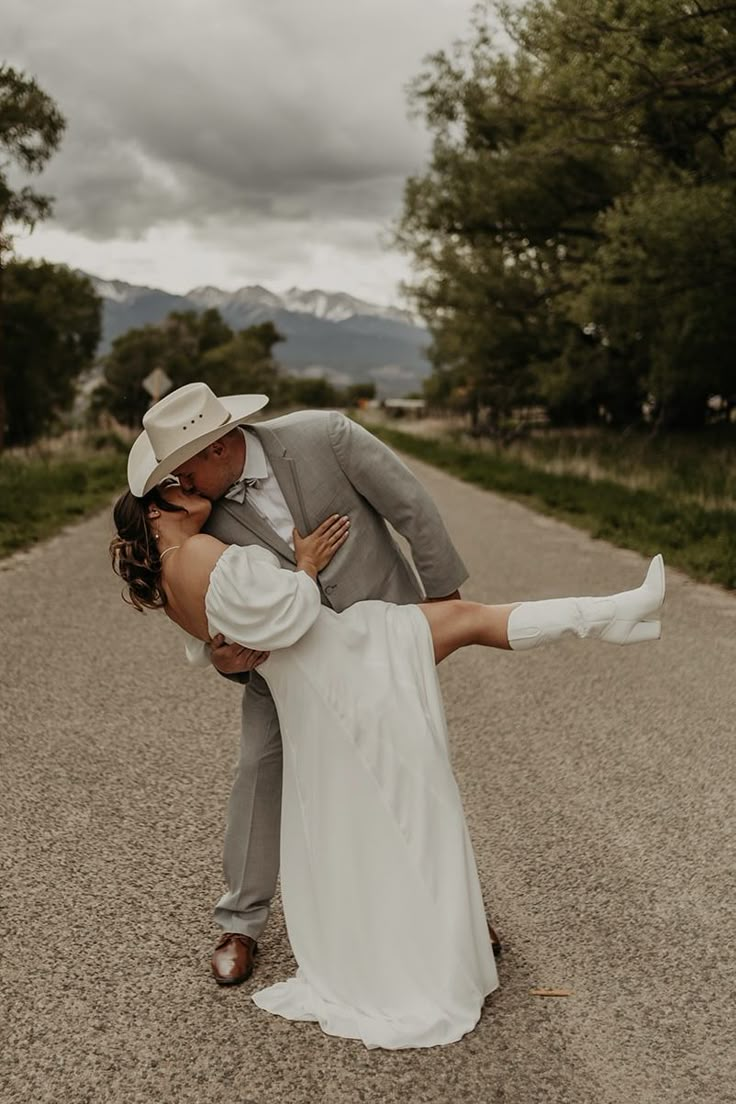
x=399 y=408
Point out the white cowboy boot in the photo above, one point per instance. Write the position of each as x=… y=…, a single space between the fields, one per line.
x=627 y=618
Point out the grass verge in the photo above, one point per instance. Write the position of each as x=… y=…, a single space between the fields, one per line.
x=699 y=540
x=41 y=494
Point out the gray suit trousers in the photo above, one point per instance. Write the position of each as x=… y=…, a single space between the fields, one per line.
x=251 y=852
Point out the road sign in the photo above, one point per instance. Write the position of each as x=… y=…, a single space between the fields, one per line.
x=157 y=383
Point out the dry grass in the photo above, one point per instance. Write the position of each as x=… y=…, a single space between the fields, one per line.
x=695 y=469
x=52 y=483
x=674 y=495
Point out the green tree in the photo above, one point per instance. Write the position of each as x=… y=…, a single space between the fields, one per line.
x=133 y=356
x=52 y=329
x=494 y=223
x=187 y=346
x=354 y=392
x=188 y=337
x=246 y=363
x=661 y=288
x=547 y=165
x=313 y=391
x=31 y=127
x=656 y=80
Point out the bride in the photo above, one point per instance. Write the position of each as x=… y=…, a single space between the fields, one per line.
x=374 y=846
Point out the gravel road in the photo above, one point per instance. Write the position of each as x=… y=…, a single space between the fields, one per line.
x=599 y=790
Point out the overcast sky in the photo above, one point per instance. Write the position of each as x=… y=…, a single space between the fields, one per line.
x=230 y=142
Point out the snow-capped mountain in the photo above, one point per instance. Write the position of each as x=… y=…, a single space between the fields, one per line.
x=117 y=291
x=338 y=305
x=332 y=333
x=255 y=295
x=333 y=306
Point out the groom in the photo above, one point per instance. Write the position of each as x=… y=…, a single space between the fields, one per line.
x=265 y=480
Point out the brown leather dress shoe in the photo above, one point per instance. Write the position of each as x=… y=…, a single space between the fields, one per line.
x=232 y=961
x=495 y=941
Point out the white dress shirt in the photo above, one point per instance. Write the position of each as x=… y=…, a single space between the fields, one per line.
x=264 y=493
x=266 y=498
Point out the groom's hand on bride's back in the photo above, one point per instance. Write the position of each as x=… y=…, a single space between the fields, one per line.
x=233 y=659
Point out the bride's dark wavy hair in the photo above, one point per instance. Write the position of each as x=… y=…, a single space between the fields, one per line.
x=135 y=557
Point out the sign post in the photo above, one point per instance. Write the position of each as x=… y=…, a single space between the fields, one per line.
x=156 y=383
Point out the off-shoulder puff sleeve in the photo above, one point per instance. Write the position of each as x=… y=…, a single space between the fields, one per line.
x=253 y=601
x=197 y=652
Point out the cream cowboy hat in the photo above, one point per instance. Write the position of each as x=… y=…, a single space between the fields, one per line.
x=181 y=425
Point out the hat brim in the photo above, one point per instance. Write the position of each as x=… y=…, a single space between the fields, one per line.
x=145 y=470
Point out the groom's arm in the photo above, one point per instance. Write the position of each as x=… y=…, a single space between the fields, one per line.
x=395 y=493
x=231 y=660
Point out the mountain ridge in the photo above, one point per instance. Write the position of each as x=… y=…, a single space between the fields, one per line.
x=334 y=334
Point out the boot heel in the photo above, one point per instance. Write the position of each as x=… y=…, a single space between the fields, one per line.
x=639 y=633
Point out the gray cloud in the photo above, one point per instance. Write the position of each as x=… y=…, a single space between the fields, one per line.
x=227 y=112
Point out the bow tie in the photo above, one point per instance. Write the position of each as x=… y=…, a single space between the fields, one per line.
x=237 y=491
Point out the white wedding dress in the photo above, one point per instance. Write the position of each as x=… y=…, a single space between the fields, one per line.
x=379 y=884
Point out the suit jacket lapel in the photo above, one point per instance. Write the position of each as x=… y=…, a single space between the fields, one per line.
x=285 y=471
x=244 y=514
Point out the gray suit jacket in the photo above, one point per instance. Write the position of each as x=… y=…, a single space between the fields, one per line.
x=326 y=464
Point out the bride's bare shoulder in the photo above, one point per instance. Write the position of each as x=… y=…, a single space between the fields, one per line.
x=201 y=550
